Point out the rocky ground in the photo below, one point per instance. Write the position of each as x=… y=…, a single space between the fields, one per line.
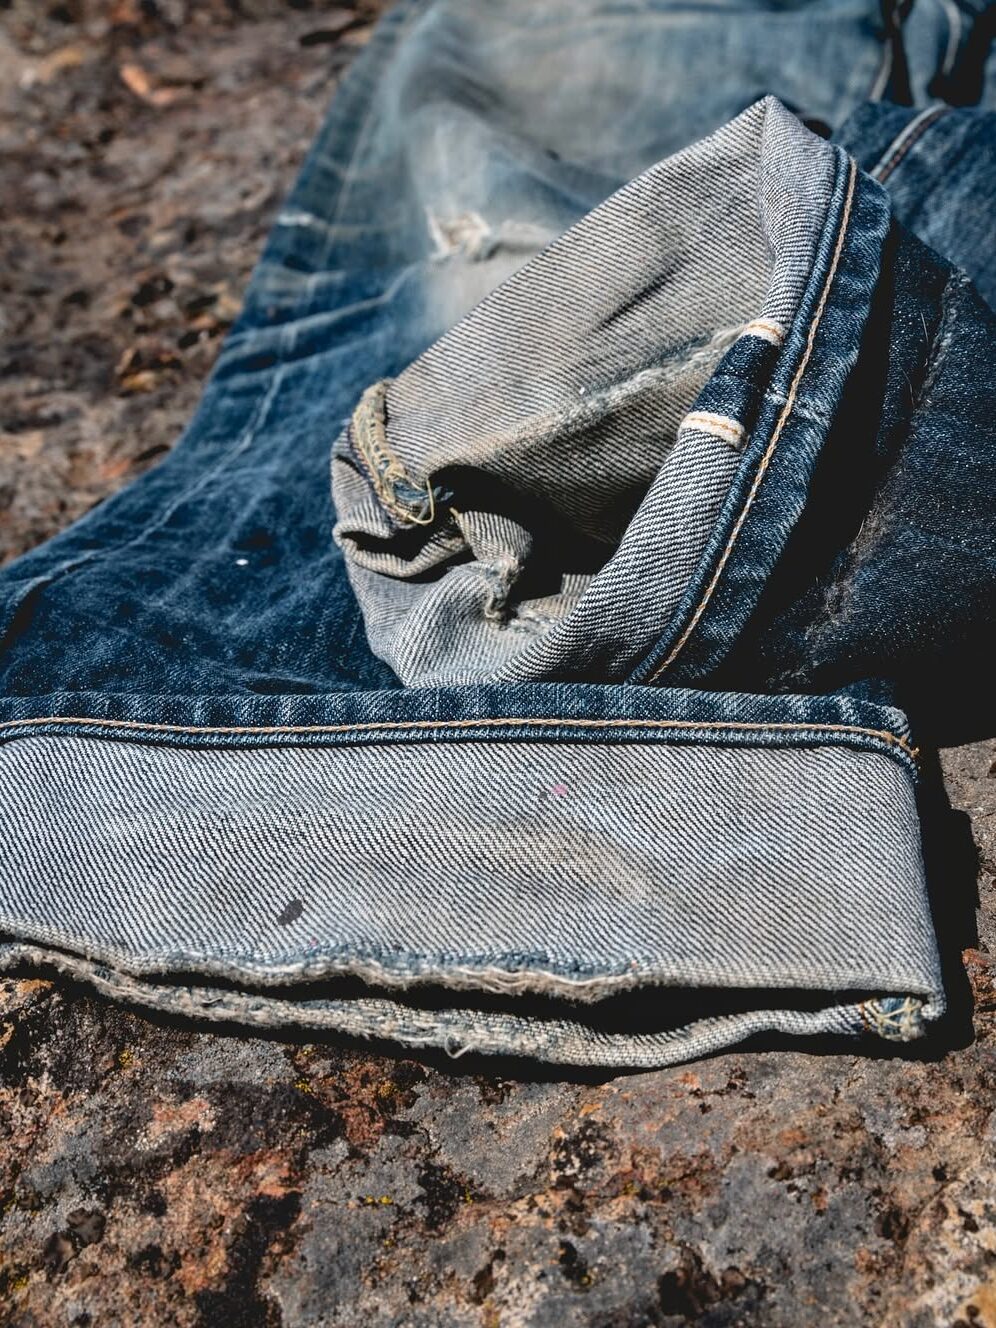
x=152 y=1173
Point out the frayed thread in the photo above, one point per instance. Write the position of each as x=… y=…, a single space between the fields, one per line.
x=402 y=496
x=896 y=1018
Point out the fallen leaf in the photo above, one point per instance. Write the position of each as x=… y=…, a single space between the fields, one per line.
x=136 y=80
x=142 y=381
x=66 y=57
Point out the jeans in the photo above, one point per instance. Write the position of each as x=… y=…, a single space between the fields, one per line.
x=570 y=718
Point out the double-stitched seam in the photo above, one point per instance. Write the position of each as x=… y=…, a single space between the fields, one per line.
x=775 y=437
x=377 y=726
x=902 y=143
x=402 y=496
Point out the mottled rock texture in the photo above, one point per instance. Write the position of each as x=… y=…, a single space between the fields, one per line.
x=153 y=1173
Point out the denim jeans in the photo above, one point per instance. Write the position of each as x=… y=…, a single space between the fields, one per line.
x=662 y=469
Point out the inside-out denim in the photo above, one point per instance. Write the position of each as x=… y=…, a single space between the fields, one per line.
x=567 y=718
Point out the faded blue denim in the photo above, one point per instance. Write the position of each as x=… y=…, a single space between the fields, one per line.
x=663 y=476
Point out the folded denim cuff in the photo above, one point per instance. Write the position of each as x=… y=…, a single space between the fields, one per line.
x=566 y=484
x=599 y=477
x=630 y=886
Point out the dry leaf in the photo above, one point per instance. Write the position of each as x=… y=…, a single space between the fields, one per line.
x=143 y=381
x=136 y=80
x=66 y=57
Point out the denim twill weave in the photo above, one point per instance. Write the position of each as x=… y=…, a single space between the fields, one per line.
x=663 y=473
x=571 y=898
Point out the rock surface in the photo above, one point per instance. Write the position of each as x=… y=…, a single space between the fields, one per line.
x=155 y=1173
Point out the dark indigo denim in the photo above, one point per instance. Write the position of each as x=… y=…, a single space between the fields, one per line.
x=597 y=761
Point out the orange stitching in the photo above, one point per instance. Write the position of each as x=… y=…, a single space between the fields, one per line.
x=885 y=168
x=782 y=421
x=732 y=428
x=775 y=328
x=884 y=735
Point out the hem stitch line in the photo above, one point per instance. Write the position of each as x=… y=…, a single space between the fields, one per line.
x=882 y=735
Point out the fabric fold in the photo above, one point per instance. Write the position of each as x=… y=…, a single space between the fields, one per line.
x=537 y=884
x=494 y=499
x=659 y=475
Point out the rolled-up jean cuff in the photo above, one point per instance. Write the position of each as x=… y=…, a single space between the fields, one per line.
x=631 y=888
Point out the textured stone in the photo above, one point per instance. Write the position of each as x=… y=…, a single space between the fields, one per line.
x=156 y=1173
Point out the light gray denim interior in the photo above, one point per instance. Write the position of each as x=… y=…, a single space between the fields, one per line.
x=549 y=422
x=570 y=871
